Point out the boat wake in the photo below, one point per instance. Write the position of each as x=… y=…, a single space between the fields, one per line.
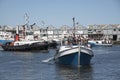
x=48 y=60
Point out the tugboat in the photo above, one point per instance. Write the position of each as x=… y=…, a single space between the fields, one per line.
x=24 y=45
x=52 y=44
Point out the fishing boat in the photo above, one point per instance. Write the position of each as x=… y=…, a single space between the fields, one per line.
x=100 y=43
x=75 y=55
x=72 y=53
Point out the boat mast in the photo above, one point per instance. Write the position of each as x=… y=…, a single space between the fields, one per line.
x=26 y=17
x=73 y=27
x=79 y=42
x=79 y=55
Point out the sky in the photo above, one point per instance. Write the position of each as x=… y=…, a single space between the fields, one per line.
x=59 y=12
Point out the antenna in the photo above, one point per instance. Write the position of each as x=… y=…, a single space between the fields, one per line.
x=26 y=17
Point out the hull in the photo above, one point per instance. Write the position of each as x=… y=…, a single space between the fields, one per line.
x=71 y=57
x=52 y=44
x=26 y=47
x=99 y=43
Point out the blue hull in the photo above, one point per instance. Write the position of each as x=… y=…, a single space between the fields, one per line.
x=72 y=59
x=4 y=41
x=92 y=44
x=99 y=45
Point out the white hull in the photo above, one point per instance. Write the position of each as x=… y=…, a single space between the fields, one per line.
x=95 y=43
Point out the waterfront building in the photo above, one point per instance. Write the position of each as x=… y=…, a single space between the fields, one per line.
x=111 y=31
x=102 y=31
x=95 y=31
x=81 y=30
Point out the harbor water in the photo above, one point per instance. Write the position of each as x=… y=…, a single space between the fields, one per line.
x=105 y=65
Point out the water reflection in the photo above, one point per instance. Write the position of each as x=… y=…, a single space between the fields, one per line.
x=70 y=73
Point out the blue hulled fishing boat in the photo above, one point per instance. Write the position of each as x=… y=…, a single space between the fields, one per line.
x=75 y=55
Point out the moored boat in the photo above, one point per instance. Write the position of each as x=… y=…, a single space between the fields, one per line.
x=5 y=37
x=52 y=44
x=100 y=43
x=25 y=46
